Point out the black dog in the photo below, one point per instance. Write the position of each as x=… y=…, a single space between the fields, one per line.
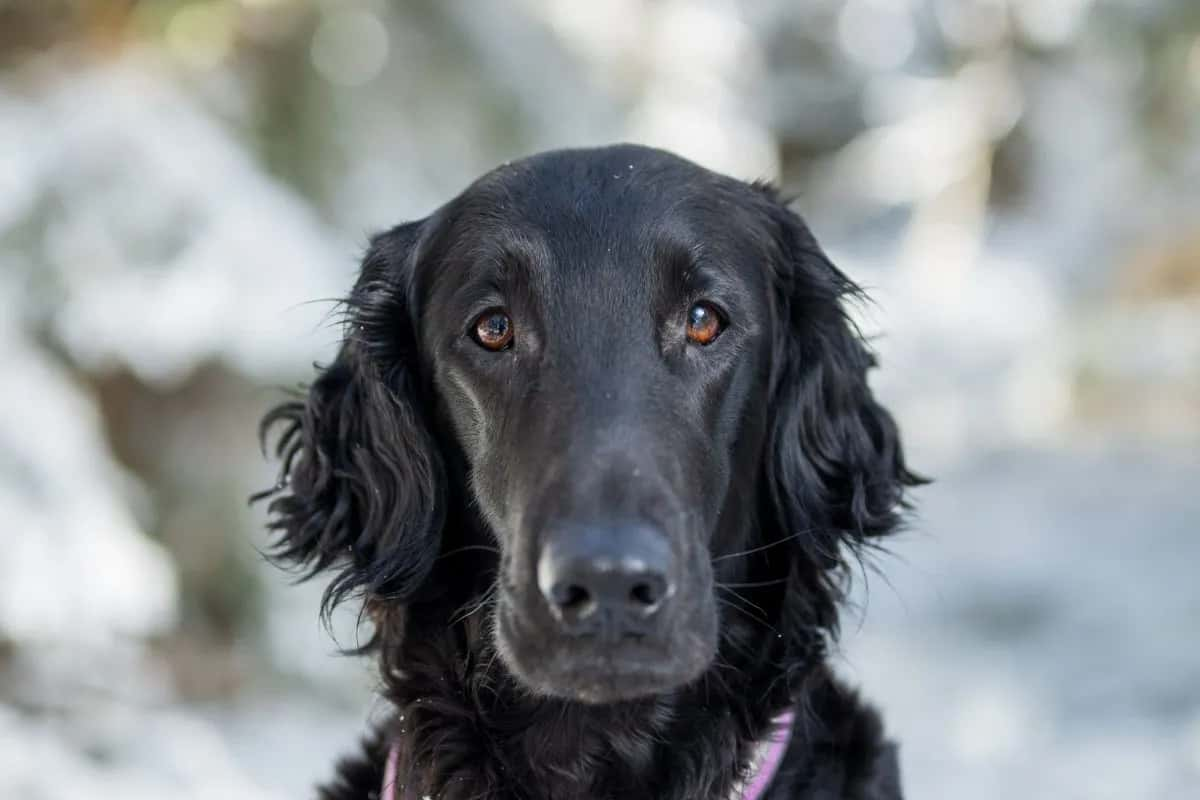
x=594 y=452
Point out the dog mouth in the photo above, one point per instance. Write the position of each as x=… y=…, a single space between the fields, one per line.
x=596 y=668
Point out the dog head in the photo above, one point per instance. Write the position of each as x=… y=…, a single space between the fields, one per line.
x=633 y=378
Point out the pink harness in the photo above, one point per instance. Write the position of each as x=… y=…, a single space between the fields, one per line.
x=767 y=757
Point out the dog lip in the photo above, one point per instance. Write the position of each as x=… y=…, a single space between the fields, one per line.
x=604 y=678
x=591 y=668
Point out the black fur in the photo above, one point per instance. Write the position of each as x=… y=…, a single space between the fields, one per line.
x=783 y=461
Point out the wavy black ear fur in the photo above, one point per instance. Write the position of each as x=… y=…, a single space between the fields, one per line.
x=360 y=488
x=836 y=472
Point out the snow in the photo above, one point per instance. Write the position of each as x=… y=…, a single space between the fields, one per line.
x=1035 y=633
x=167 y=243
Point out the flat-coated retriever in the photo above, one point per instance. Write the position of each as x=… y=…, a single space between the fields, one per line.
x=594 y=454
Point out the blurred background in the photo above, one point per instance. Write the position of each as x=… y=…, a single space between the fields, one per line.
x=184 y=185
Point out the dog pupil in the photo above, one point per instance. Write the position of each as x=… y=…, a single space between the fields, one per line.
x=497 y=325
x=702 y=323
x=493 y=329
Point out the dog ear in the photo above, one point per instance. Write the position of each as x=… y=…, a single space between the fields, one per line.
x=835 y=466
x=361 y=482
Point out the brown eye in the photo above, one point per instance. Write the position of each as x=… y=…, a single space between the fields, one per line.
x=704 y=324
x=494 y=330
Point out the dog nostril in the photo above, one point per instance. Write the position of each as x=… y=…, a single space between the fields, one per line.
x=645 y=595
x=572 y=597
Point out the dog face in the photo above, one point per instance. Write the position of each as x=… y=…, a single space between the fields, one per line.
x=630 y=368
x=595 y=350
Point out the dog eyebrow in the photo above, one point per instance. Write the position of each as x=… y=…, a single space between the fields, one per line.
x=504 y=252
x=695 y=263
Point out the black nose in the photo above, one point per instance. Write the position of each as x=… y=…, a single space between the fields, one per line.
x=606 y=580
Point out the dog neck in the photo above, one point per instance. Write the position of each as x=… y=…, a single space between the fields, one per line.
x=466 y=728
x=767 y=758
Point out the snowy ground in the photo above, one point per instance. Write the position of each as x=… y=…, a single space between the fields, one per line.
x=1041 y=634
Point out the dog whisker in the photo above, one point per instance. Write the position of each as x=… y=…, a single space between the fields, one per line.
x=469 y=547
x=751 y=584
x=762 y=547
x=761 y=617
x=485 y=600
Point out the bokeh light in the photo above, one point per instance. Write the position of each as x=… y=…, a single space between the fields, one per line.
x=201 y=34
x=349 y=47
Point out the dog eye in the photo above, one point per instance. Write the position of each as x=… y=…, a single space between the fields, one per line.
x=704 y=324
x=493 y=330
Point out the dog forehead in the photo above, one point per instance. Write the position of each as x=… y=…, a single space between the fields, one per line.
x=580 y=210
x=601 y=167
x=603 y=189
x=589 y=244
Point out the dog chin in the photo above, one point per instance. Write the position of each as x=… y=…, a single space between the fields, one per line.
x=587 y=671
